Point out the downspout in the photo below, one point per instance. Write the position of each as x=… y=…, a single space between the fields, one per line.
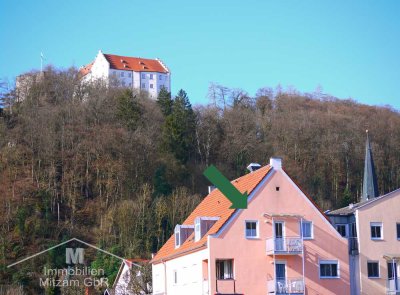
x=273 y=249
x=302 y=253
x=165 y=277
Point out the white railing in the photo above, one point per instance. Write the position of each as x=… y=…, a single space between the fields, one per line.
x=286 y=245
x=286 y=286
x=392 y=286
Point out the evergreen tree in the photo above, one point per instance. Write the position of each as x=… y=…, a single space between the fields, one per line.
x=346 y=199
x=160 y=182
x=129 y=109
x=179 y=128
x=164 y=100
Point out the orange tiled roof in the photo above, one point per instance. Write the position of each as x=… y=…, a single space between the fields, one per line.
x=136 y=64
x=85 y=69
x=214 y=205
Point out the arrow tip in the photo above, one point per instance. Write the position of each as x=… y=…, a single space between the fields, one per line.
x=240 y=203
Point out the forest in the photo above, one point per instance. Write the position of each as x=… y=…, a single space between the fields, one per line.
x=119 y=170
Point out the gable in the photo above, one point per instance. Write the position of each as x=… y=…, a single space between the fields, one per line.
x=213 y=205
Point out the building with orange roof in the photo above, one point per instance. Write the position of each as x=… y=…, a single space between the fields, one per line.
x=144 y=74
x=281 y=244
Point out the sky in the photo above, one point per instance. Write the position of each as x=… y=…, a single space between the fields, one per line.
x=349 y=48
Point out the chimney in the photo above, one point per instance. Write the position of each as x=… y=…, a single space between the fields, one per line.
x=253 y=167
x=275 y=163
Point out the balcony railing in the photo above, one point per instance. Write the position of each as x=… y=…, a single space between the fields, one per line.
x=284 y=246
x=286 y=286
x=392 y=286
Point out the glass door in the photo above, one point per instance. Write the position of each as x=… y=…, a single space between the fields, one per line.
x=280 y=272
x=393 y=276
x=279 y=236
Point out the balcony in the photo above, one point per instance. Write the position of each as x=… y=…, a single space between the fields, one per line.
x=393 y=286
x=286 y=286
x=284 y=246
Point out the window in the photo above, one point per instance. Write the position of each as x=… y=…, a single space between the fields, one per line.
x=251 y=229
x=177 y=236
x=307 y=230
x=151 y=76
x=115 y=73
x=143 y=86
x=398 y=230
x=224 y=269
x=175 y=277
x=373 y=269
x=342 y=229
x=328 y=269
x=151 y=86
x=129 y=75
x=376 y=231
x=143 y=76
x=122 y=74
x=197 y=232
x=160 y=77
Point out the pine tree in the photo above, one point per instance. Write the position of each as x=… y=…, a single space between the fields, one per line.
x=179 y=128
x=164 y=100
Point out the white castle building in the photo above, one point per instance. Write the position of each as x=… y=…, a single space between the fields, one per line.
x=149 y=75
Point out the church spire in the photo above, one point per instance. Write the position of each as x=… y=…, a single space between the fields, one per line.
x=370 y=186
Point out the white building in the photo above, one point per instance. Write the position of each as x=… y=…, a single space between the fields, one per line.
x=149 y=75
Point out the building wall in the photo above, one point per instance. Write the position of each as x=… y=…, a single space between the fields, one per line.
x=190 y=275
x=385 y=211
x=130 y=79
x=123 y=78
x=122 y=285
x=152 y=82
x=100 y=68
x=253 y=267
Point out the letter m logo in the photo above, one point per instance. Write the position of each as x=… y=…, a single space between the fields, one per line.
x=74 y=257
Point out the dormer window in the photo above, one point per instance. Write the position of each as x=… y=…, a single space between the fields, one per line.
x=202 y=225
x=177 y=236
x=182 y=232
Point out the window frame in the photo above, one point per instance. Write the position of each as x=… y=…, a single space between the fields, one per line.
x=329 y=262
x=376 y=224
x=143 y=76
x=257 y=236
x=143 y=85
x=175 y=277
x=231 y=274
x=151 y=86
x=379 y=272
x=151 y=77
x=311 y=229
x=398 y=230
x=346 y=229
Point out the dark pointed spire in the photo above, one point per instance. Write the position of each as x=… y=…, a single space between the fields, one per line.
x=370 y=184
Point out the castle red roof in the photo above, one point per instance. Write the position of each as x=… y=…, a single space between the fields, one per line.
x=136 y=64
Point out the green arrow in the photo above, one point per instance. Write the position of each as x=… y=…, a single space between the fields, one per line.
x=239 y=200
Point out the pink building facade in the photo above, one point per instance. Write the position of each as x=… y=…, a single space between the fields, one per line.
x=281 y=244
x=373 y=230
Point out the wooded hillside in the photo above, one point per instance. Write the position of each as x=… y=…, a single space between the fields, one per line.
x=119 y=170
